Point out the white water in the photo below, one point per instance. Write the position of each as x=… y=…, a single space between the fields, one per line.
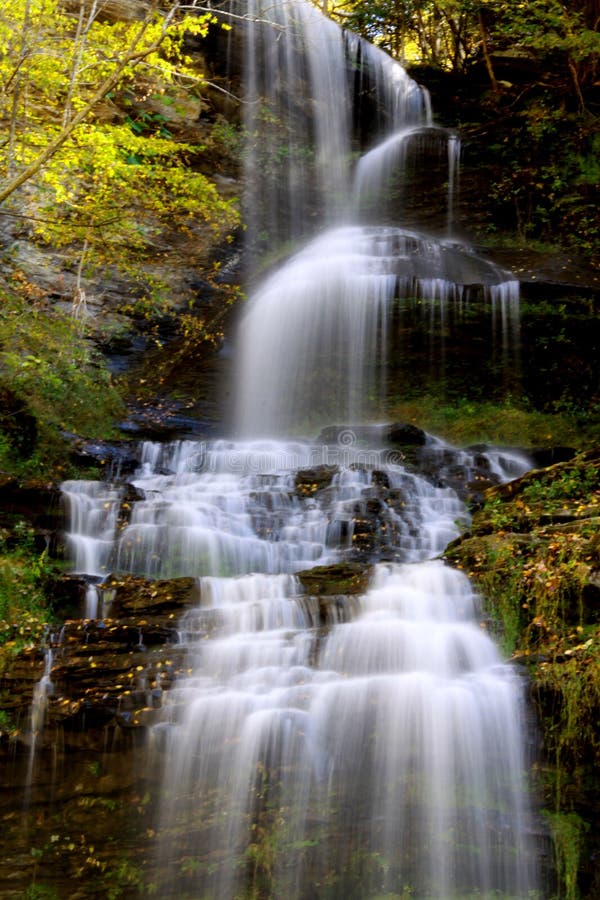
x=386 y=754
x=232 y=508
x=301 y=77
x=312 y=344
x=348 y=747
x=379 y=751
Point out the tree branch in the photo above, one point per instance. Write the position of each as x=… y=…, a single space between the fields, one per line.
x=133 y=55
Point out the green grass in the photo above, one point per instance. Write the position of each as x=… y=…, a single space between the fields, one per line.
x=465 y=422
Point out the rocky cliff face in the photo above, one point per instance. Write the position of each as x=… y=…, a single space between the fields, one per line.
x=534 y=552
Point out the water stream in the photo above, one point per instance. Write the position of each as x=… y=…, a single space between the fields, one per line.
x=347 y=746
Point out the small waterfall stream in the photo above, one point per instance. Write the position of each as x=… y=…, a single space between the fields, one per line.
x=341 y=747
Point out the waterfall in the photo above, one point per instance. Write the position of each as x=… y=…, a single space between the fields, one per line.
x=302 y=74
x=385 y=755
x=349 y=747
x=312 y=345
x=339 y=746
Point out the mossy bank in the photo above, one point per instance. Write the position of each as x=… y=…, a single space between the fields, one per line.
x=533 y=550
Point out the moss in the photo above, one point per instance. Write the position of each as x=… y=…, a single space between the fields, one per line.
x=505 y=423
x=342 y=578
x=568 y=834
x=533 y=552
x=23 y=603
x=51 y=381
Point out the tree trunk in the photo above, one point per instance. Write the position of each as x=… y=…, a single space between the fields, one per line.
x=486 y=54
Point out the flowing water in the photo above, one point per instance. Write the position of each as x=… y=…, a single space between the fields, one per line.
x=342 y=747
x=347 y=746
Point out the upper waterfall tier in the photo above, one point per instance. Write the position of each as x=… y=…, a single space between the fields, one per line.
x=339 y=137
x=310 y=88
x=313 y=342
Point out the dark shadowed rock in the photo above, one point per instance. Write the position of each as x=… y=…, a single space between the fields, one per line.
x=405 y=433
x=116 y=459
x=309 y=481
x=135 y=595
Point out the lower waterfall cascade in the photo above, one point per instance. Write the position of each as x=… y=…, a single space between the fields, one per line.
x=349 y=746
x=373 y=742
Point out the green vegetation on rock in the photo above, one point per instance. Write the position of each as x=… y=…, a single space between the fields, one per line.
x=24 y=607
x=507 y=423
x=51 y=380
x=534 y=553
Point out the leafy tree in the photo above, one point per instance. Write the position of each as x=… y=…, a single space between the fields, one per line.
x=551 y=29
x=444 y=34
x=543 y=129
x=452 y=34
x=100 y=181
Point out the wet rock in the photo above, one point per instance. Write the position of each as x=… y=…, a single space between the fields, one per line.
x=406 y=434
x=19 y=676
x=117 y=460
x=131 y=495
x=534 y=552
x=37 y=502
x=341 y=578
x=350 y=435
x=547 y=456
x=380 y=478
x=67 y=594
x=337 y=608
x=309 y=481
x=102 y=672
x=116 y=10
x=135 y=596
x=100 y=636
x=163 y=420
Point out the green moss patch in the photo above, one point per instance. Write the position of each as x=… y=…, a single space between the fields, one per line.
x=534 y=554
x=505 y=423
x=51 y=380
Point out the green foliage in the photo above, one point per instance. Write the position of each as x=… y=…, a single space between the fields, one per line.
x=40 y=891
x=568 y=834
x=227 y=138
x=443 y=34
x=23 y=571
x=6 y=722
x=533 y=552
x=117 y=192
x=579 y=482
x=549 y=27
x=509 y=423
x=112 y=188
x=545 y=166
x=125 y=879
x=51 y=63
x=452 y=34
x=548 y=173
x=53 y=370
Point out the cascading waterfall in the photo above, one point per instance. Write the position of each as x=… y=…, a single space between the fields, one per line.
x=303 y=75
x=367 y=746
x=312 y=346
x=313 y=341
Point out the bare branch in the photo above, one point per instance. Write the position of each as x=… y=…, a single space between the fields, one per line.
x=133 y=55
